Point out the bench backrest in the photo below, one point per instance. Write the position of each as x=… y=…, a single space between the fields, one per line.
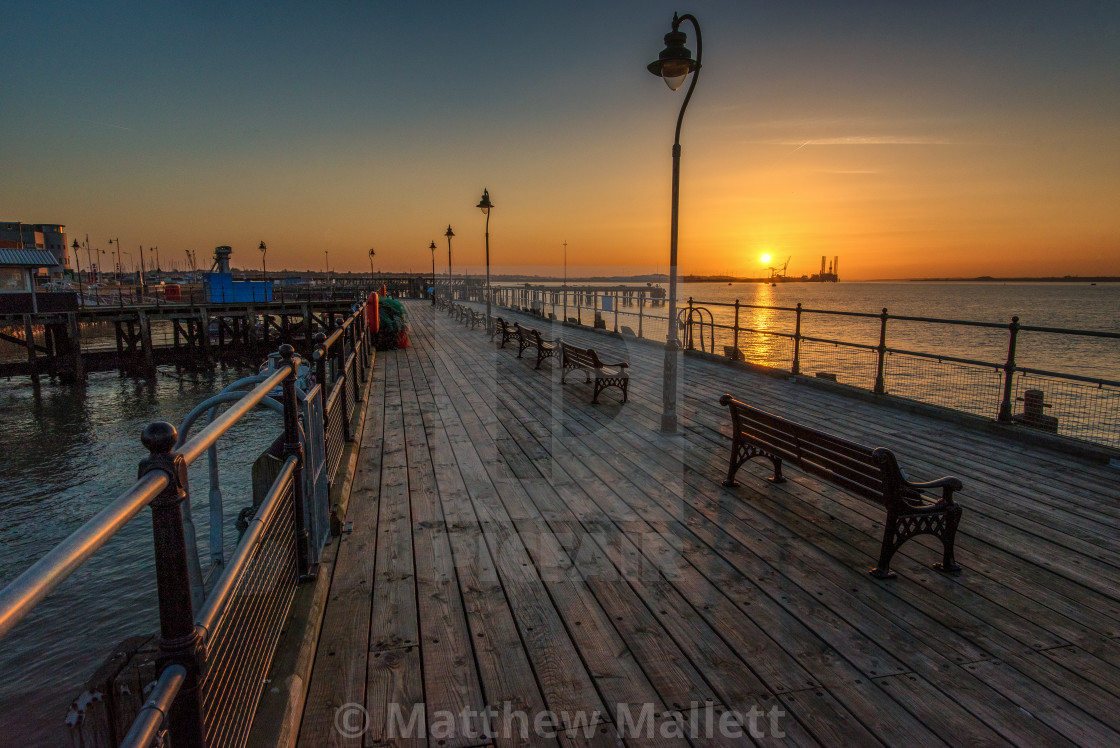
x=581 y=357
x=872 y=473
x=530 y=335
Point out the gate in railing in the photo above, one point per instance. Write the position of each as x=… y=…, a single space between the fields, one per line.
x=214 y=654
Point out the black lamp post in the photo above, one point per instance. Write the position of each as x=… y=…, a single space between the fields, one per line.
x=264 y=265
x=78 y=265
x=371 y=254
x=450 y=287
x=673 y=65
x=432 y=247
x=485 y=205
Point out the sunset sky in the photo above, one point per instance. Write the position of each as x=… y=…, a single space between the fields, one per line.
x=912 y=139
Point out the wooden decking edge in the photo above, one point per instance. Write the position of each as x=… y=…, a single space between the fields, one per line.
x=277 y=719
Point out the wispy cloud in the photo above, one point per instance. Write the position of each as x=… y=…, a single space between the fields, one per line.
x=868 y=140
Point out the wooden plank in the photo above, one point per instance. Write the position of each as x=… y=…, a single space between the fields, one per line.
x=946 y=717
x=1092 y=667
x=394 y=621
x=394 y=693
x=451 y=680
x=1046 y=707
x=506 y=676
x=339 y=673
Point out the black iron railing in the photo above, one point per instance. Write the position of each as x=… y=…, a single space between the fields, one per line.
x=213 y=660
x=819 y=342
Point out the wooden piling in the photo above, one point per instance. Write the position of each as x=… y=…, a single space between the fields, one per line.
x=29 y=337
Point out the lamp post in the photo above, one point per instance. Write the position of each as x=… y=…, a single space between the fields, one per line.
x=432 y=247
x=264 y=267
x=371 y=279
x=450 y=288
x=485 y=205
x=327 y=265
x=673 y=65
x=565 y=319
x=81 y=294
x=120 y=291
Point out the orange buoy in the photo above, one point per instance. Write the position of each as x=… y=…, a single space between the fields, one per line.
x=373 y=313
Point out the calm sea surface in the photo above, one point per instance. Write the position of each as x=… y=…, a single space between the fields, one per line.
x=66 y=452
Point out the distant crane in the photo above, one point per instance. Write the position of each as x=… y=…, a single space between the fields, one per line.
x=780 y=270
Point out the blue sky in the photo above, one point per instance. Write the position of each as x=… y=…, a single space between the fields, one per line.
x=911 y=138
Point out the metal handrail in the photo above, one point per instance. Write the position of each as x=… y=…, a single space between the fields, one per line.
x=23 y=593
x=193 y=449
x=150 y=720
x=20 y=597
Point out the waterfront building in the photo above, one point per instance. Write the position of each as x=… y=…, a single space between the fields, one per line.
x=18 y=268
x=48 y=236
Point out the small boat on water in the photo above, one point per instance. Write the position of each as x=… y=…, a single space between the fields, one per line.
x=305 y=377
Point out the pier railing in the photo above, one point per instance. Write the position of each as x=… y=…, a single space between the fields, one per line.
x=213 y=657
x=879 y=352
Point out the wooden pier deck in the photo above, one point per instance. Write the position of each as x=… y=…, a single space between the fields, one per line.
x=513 y=545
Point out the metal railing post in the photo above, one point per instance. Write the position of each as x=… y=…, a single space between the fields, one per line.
x=735 y=332
x=616 y=311
x=294 y=447
x=796 y=368
x=688 y=332
x=880 y=384
x=179 y=640
x=641 y=308
x=357 y=366
x=344 y=399
x=1009 y=372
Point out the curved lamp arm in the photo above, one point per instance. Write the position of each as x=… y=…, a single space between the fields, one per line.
x=695 y=73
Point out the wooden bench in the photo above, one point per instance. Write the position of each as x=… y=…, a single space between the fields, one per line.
x=871 y=474
x=507 y=331
x=527 y=337
x=605 y=375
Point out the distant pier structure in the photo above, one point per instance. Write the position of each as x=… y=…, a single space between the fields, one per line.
x=830 y=272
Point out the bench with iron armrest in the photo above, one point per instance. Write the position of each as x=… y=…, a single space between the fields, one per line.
x=507 y=331
x=605 y=375
x=871 y=474
x=467 y=316
x=527 y=337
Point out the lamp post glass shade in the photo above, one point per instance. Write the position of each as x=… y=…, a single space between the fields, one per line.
x=675 y=61
x=485 y=203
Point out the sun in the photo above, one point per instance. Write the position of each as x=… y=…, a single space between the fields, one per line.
x=765 y=258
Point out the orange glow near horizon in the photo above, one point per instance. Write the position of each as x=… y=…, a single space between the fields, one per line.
x=908 y=154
